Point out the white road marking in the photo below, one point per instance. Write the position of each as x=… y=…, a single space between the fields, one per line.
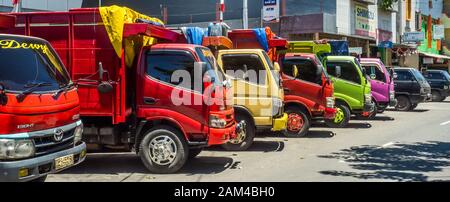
x=445 y=123
x=387 y=144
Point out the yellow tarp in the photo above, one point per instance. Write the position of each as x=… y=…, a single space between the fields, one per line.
x=114 y=18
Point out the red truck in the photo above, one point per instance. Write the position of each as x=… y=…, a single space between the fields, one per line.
x=133 y=106
x=307 y=97
x=40 y=127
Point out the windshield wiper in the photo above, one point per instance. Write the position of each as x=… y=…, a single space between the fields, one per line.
x=31 y=88
x=64 y=89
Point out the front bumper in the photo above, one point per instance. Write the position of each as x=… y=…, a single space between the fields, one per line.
x=368 y=108
x=218 y=136
x=393 y=103
x=329 y=113
x=280 y=123
x=10 y=169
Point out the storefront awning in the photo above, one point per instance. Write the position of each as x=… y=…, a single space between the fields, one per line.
x=435 y=55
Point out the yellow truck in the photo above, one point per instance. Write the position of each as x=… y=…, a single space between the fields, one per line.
x=258 y=93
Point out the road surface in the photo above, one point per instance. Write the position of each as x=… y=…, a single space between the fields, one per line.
x=397 y=146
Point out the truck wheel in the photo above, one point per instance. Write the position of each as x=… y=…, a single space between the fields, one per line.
x=298 y=123
x=381 y=110
x=40 y=179
x=163 y=150
x=442 y=99
x=342 y=117
x=403 y=104
x=194 y=153
x=436 y=96
x=244 y=140
x=414 y=106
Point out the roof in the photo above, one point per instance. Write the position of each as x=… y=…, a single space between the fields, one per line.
x=175 y=46
x=342 y=58
x=435 y=55
x=304 y=55
x=370 y=60
x=23 y=37
x=244 y=50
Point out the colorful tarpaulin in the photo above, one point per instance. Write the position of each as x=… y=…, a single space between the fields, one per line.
x=114 y=18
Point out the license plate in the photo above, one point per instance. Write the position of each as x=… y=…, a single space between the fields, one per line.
x=64 y=162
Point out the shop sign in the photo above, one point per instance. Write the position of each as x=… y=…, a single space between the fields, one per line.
x=271 y=11
x=364 y=21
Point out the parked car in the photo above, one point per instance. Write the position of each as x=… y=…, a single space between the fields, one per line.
x=351 y=88
x=40 y=127
x=439 y=81
x=411 y=88
x=383 y=93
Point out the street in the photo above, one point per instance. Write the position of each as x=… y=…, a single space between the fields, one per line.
x=414 y=147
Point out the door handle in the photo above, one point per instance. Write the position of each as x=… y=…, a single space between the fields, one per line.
x=150 y=100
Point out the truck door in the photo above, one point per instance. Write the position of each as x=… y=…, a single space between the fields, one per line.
x=380 y=89
x=250 y=83
x=308 y=83
x=349 y=83
x=164 y=90
x=404 y=81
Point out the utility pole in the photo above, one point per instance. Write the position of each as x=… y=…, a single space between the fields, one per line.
x=99 y=3
x=222 y=9
x=245 y=15
x=17 y=6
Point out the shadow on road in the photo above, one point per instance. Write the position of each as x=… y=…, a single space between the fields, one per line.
x=415 y=110
x=311 y=134
x=258 y=146
x=363 y=125
x=379 y=118
x=115 y=163
x=400 y=162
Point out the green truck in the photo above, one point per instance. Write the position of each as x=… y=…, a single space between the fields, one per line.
x=352 y=89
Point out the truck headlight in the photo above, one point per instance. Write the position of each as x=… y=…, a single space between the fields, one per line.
x=330 y=102
x=16 y=149
x=216 y=122
x=78 y=134
x=422 y=91
x=391 y=95
x=277 y=106
x=446 y=87
x=368 y=98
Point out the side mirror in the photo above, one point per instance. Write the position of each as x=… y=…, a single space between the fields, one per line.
x=104 y=87
x=276 y=66
x=101 y=71
x=3 y=97
x=338 y=71
x=295 y=71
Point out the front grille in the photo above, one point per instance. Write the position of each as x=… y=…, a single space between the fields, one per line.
x=46 y=144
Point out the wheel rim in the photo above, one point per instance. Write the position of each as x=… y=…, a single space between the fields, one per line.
x=240 y=136
x=340 y=116
x=163 y=150
x=401 y=103
x=295 y=122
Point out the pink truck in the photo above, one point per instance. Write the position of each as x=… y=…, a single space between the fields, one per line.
x=382 y=83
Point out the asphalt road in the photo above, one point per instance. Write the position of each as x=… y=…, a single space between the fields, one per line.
x=397 y=146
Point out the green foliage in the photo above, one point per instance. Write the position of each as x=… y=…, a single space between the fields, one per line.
x=387 y=4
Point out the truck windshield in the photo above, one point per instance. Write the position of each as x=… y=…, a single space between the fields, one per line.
x=207 y=56
x=275 y=74
x=447 y=75
x=29 y=63
x=418 y=75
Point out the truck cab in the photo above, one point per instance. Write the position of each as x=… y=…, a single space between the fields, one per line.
x=439 y=81
x=309 y=95
x=352 y=89
x=40 y=128
x=258 y=93
x=141 y=87
x=383 y=93
x=411 y=88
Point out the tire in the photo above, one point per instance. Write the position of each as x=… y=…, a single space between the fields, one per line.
x=342 y=117
x=242 y=144
x=403 y=104
x=298 y=123
x=436 y=96
x=194 y=153
x=414 y=106
x=172 y=141
x=40 y=179
x=381 y=110
x=442 y=99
